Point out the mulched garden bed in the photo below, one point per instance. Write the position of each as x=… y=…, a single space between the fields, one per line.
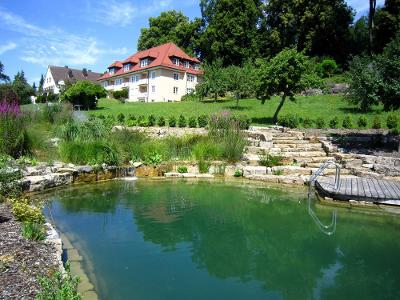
x=21 y=261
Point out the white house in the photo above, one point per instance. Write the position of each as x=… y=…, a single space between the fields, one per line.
x=160 y=74
x=56 y=77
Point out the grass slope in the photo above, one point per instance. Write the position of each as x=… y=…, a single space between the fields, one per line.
x=325 y=106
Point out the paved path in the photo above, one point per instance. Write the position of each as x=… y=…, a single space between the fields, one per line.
x=361 y=189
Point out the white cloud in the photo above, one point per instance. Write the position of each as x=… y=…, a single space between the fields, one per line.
x=55 y=46
x=7 y=47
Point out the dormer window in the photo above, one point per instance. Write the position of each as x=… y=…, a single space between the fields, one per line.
x=175 y=61
x=127 y=67
x=196 y=67
x=186 y=64
x=144 y=63
x=111 y=71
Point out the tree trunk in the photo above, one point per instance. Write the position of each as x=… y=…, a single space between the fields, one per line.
x=371 y=25
x=275 y=117
x=215 y=97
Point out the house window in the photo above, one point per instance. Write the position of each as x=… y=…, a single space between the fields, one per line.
x=176 y=76
x=187 y=65
x=189 y=90
x=118 y=81
x=153 y=88
x=175 y=61
x=153 y=74
x=144 y=62
x=191 y=78
x=111 y=71
x=127 y=67
x=105 y=84
x=196 y=67
x=175 y=90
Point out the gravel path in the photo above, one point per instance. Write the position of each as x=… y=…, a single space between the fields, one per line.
x=21 y=260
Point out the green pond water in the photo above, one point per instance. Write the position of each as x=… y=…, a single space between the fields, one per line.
x=175 y=239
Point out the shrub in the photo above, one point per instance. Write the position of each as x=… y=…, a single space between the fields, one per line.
x=60 y=286
x=268 y=160
x=244 y=121
x=376 y=123
x=161 y=121
x=56 y=113
x=347 y=122
x=182 y=169
x=392 y=121
x=33 y=231
x=334 y=122
x=130 y=123
x=25 y=212
x=121 y=95
x=172 y=121
x=277 y=172
x=327 y=68
x=121 y=118
x=189 y=97
x=238 y=173
x=10 y=186
x=307 y=122
x=153 y=158
x=192 y=122
x=141 y=121
x=204 y=166
x=362 y=122
x=87 y=131
x=320 y=123
x=202 y=120
x=182 y=121
x=84 y=93
x=290 y=120
x=207 y=150
x=151 y=120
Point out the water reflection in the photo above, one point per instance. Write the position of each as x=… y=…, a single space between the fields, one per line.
x=245 y=234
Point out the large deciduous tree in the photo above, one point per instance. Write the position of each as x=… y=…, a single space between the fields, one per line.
x=282 y=75
x=318 y=26
x=387 y=24
x=215 y=80
x=171 y=26
x=230 y=31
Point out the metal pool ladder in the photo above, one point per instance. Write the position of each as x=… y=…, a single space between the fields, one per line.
x=331 y=228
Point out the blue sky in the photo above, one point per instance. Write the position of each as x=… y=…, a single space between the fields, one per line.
x=81 y=33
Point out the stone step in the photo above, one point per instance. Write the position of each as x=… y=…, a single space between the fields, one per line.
x=314 y=159
x=291 y=170
x=302 y=154
x=332 y=171
x=286 y=141
x=298 y=149
x=286 y=179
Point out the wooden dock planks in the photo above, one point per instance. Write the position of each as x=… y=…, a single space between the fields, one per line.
x=361 y=189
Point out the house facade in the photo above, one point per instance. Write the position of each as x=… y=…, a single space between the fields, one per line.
x=161 y=74
x=56 y=77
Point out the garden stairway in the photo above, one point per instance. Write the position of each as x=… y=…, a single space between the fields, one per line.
x=301 y=156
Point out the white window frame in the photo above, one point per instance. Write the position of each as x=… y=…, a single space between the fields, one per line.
x=191 y=78
x=196 y=67
x=105 y=84
x=175 y=90
x=118 y=81
x=176 y=76
x=189 y=90
x=176 y=61
x=153 y=74
x=127 y=67
x=186 y=64
x=111 y=71
x=153 y=88
x=144 y=62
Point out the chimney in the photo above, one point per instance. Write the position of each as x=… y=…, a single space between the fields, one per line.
x=66 y=67
x=70 y=75
x=84 y=72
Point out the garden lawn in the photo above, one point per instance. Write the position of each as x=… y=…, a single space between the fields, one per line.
x=325 y=106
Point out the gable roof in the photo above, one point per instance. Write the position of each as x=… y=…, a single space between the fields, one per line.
x=72 y=75
x=161 y=56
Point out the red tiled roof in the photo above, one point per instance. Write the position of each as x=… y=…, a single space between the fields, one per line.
x=161 y=56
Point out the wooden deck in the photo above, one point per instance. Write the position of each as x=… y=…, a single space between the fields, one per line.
x=360 y=189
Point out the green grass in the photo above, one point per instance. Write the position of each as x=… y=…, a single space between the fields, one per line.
x=325 y=106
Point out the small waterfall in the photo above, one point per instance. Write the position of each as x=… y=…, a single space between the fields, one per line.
x=126 y=173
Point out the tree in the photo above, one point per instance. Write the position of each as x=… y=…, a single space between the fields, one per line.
x=230 y=30
x=7 y=94
x=3 y=76
x=387 y=23
x=84 y=93
x=41 y=83
x=22 y=88
x=319 y=27
x=371 y=24
x=34 y=87
x=215 y=80
x=241 y=81
x=171 y=26
x=359 y=37
x=282 y=75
